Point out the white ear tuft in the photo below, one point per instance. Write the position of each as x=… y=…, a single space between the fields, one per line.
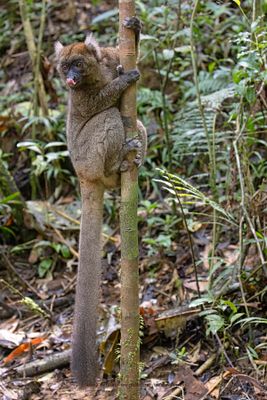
x=92 y=44
x=58 y=47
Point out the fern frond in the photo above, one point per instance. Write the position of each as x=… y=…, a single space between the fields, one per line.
x=179 y=187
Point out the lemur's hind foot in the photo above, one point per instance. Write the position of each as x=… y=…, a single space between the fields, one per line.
x=134 y=146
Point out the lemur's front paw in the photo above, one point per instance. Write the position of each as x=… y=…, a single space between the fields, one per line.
x=134 y=146
x=120 y=70
x=133 y=23
x=132 y=76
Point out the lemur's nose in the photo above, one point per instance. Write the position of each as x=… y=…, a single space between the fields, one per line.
x=70 y=82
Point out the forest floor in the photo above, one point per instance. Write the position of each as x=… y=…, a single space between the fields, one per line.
x=179 y=361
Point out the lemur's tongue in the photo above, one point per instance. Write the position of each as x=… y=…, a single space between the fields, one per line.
x=71 y=82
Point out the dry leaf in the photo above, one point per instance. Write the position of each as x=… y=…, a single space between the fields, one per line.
x=24 y=347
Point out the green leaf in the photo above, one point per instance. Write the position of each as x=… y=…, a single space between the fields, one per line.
x=182 y=49
x=202 y=300
x=65 y=251
x=40 y=165
x=148 y=37
x=250 y=95
x=52 y=156
x=215 y=267
x=230 y=304
x=7 y=231
x=253 y=320
x=29 y=146
x=168 y=54
x=238 y=75
x=182 y=188
x=149 y=241
x=235 y=317
x=42 y=243
x=54 y=144
x=207 y=312
x=105 y=16
x=44 y=266
x=215 y=323
x=252 y=352
x=164 y=240
x=9 y=198
x=56 y=247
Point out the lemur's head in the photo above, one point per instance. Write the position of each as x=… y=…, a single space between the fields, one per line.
x=78 y=62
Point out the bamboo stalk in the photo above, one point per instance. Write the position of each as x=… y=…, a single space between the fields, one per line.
x=33 y=51
x=129 y=367
x=35 y=54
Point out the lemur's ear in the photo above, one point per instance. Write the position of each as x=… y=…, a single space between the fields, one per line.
x=58 y=47
x=92 y=45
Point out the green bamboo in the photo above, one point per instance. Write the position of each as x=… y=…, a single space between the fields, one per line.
x=33 y=51
x=129 y=368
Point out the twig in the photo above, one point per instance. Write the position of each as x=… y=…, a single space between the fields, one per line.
x=163 y=84
x=64 y=241
x=64 y=215
x=50 y=363
x=10 y=266
x=33 y=52
x=200 y=106
x=28 y=302
x=166 y=78
x=179 y=390
x=222 y=349
x=165 y=118
x=240 y=265
x=169 y=296
x=243 y=206
x=206 y=365
x=215 y=225
x=76 y=222
x=38 y=81
x=190 y=240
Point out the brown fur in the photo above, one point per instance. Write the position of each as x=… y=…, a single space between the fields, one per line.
x=96 y=142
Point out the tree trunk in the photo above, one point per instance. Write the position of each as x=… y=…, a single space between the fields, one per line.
x=129 y=368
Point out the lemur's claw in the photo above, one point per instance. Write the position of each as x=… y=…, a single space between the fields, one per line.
x=120 y=69
x=132 y=145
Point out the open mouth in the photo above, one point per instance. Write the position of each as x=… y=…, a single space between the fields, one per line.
x=71 y=82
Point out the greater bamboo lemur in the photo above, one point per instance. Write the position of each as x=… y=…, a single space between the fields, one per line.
x=98 y=148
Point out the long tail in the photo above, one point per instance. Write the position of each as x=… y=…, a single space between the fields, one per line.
x=84 y=352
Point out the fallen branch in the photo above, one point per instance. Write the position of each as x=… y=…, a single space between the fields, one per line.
x=50 y=363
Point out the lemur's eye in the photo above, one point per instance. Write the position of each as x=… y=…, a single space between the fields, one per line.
x=79 y=64
x=65 y=67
